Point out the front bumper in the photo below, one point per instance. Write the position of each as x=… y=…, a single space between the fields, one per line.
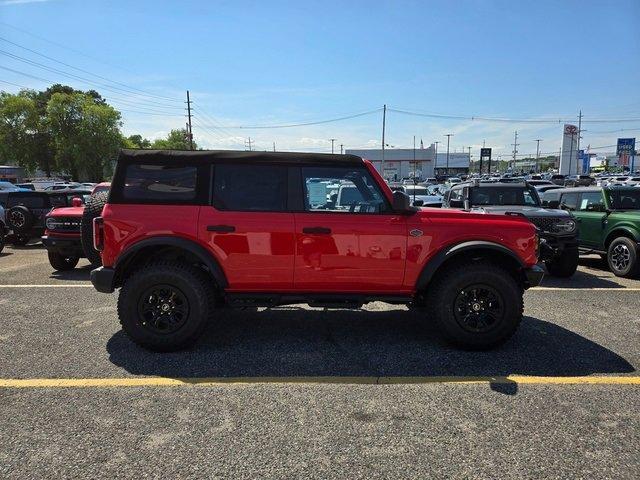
x=68 y=246
x=552 y=246
x=533 y=276
x=102 y=279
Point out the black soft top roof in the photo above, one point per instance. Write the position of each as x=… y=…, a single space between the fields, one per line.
x=297 y=158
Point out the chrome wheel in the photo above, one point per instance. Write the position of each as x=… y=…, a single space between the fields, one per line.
x=620 y=257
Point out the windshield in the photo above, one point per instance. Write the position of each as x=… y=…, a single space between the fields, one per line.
x=625 y=200
x=503 y=196
x=416 y=191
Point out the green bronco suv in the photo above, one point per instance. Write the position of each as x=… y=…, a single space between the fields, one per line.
x=608 y=223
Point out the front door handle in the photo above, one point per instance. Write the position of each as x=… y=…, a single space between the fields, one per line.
x=221 y=228
x=317 y=230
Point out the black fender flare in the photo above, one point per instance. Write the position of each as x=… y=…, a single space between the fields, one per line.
x=451 y=251
x=189 y=245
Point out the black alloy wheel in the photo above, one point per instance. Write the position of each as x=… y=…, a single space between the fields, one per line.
x=163 y=309
x=478 y=308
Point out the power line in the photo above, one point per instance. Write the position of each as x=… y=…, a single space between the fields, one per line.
x=134 y=89
x=304 y=124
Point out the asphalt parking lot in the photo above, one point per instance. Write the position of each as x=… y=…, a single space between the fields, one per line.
x=300 y=392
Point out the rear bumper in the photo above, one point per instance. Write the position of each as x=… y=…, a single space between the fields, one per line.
x=68 y=246
x=102 y=279
x=533 y=276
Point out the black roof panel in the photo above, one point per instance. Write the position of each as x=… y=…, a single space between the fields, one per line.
x=130 y=155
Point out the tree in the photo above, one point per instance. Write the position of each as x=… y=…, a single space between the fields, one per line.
x=19 y=127
x=137 y=141
x=85 y=134
x=177 y=139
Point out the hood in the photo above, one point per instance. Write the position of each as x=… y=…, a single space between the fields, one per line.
x=527 y=211
x=66 y=211
x=455 y=214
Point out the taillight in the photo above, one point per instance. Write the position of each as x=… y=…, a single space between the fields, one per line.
x=98 y=233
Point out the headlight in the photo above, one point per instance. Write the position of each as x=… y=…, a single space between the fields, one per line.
x=566 y=226
x=51 y=223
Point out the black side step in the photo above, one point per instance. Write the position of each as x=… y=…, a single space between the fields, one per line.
x=313 y=300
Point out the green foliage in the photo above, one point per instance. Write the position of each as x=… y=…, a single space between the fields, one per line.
x=176 y=140
x=137 y=141
x=19 y=128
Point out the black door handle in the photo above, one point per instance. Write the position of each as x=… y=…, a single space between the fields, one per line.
x=221 y=228
x=317 y=230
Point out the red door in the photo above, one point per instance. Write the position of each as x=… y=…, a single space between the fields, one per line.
x=339 y=252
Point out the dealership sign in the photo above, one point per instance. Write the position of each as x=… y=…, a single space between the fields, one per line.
x=626 y=146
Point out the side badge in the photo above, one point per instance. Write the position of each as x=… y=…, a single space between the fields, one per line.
x=415 y=233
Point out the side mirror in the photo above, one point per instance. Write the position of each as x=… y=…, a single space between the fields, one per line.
x=555 y=204
x=402 y=203
x=456 y=204
x=76 y=202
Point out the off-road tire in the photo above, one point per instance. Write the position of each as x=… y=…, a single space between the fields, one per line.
x=25 y=216
x=564 y=265
x=2 y=244
x=192 y=283
x=623 y=246
x=446 y=288
x=61 y=263
x=92 y=209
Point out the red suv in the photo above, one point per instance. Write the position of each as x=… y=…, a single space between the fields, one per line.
x=184 y=233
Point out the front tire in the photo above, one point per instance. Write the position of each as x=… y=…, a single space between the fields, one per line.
x=565 y=265
x=478 y=306
x=165 y=306
x=61 y=263
x=622 y=257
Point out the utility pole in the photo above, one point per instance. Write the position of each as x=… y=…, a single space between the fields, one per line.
x=332 y=140
x=189 y=131
x=384 y=122
x=274 y=146
x=435 y=159
x=248 y=143
x=515 y=149
x=469 y=148
x=579 y=137
x=448 y=135
x=538 y=155
x=341 y=145
x=414 y=168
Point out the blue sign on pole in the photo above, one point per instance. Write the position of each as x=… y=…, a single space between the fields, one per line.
x=586 y=161
x=626 y=146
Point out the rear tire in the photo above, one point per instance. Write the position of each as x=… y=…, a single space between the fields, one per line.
x=565 y=265
x=92 y=209
x=622 y=257
x=165 y=306
x=61 y=263
x=477 y=306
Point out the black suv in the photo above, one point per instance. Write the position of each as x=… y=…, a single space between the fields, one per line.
x=557 y=228
x=25 y=211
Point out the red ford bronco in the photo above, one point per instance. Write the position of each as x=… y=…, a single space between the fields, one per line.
x=184 y=233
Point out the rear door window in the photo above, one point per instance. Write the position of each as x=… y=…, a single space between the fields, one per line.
x=259 y=188
x=29 y=201
x=148 y=183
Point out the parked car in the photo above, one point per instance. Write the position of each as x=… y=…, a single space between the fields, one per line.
x=544 y=188
x=62 y=235
x=186 y=232
x=557 y=179
x=420 y=196
x=557 y=228
x=101 y=187
x=3 y=228
x=539 y=182
x=608 y=223
x=579 y=181
x=26 y=186
x=25 y=211
x=9 y=187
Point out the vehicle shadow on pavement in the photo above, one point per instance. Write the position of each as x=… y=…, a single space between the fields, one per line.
x=81 y=273
x=581 y=279
x=293 y=342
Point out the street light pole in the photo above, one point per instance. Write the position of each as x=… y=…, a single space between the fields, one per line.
x=448 y=135
x=332 y=140
x=538 y=155
x=435 y=160
x=384 y=121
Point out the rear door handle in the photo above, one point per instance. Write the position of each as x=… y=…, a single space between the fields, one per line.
x=317 y=230
x=221 y=228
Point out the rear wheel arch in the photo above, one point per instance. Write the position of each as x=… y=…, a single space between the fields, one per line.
x=621 y=232
x=168 y=248
x=471 y=252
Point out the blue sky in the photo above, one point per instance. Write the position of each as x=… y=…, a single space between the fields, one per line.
x=273 y=62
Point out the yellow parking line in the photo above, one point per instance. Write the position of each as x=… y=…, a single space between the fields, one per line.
x=221 y=381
